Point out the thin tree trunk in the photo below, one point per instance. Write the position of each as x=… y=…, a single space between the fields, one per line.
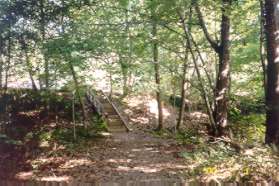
x=77 y=88
x=1 y=62
x=125 y=66
x=124 y=69
x=110 y=84
x=183 y=92
x=272 y=96
x=157 y=75
x=210 y=82
x=1 y=71
x=8 y=66
x=202 y=86
x=24 y=47
x=43 y=33
x=73 y=117
x=29 y=68
x=73 y=72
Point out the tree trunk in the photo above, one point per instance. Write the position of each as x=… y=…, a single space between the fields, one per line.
x=185 y=64
x=223 y=77
x=201 y=83
x=262 y=46
x=8 y=66
x=127 y=61
x=1 y=62
x=30 y=71
x=272 y=97
x=43 y=33
x=1 y=71
x=77 y=88
x=183 y=92
x=124 y=69
x=157 y=75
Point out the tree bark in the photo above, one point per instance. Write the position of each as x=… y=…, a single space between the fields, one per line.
x=272 y=97
x=183 y=92
x=201 y=83
x=124 y=70
x=77 y=88
x=220 y=112
x=1 y=62
x=223 y=77
x=8 y=66
x=157 y=74
x=127 y=61
x=43 y=33
x=262 y=46
x=28 y=65
x=185 y=65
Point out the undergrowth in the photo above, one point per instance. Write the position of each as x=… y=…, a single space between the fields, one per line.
x=216 y=159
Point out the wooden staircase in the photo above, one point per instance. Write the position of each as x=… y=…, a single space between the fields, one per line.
x=107 y=109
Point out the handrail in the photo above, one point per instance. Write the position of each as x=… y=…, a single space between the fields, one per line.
x=117 y=111
x=98 y=105
x=100 y=108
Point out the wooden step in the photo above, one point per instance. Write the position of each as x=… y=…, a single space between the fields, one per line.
x=115 y=122
x=110 y=112
x=117 y=129
x=115 y=116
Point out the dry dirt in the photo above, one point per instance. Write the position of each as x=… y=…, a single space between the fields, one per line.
x=120 y=157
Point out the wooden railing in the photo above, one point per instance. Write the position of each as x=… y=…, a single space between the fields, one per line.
x=117 y=111
x=100 y=107
x=96 y=102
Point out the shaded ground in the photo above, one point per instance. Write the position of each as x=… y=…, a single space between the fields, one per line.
x=44 y=149
x=132 y=156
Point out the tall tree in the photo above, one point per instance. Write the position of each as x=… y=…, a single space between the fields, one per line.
x=24 y=47
x=43 y=33
x=223 y=76
x=155 y=51
x=185 y=66
x=1 y=61
x=272 y=91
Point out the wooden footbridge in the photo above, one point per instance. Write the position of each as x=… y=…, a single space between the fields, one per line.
x=105 y=107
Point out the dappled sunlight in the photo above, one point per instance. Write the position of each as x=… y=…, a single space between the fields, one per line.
x=24 y=175
x=119 y=160
x=98 y=91
x=76 y=162
x=152 y=105
x=198 y=115
x=143 y=110
x=152 y=168
x=30 y=113
x=142 y=120
x=144 y=169
x=56 y=178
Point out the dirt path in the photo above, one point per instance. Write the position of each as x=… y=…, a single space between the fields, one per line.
x=137 y=155
x=120 y=157
x=140 y=156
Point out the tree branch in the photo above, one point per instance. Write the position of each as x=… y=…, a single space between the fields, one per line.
x=211 y=41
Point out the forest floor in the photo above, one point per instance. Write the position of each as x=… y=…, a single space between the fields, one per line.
x=41 y=147
x=121 y=156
